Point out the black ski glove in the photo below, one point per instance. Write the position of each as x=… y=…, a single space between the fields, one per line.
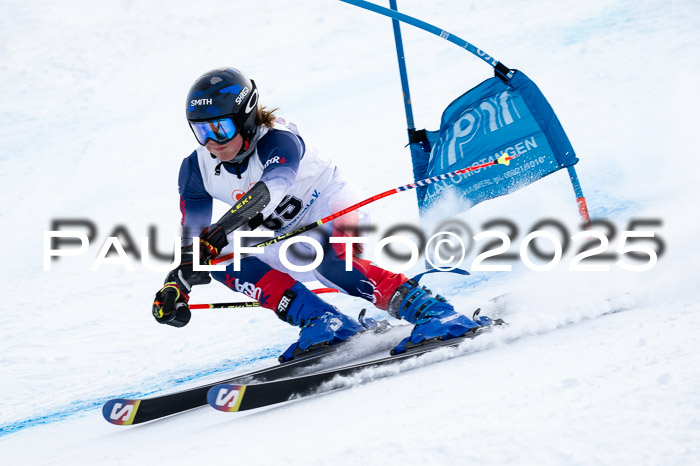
x=211 y=241
x=170 y=306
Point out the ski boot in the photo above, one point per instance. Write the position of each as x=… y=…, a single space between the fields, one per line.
x=434 y=317
x=322 y=325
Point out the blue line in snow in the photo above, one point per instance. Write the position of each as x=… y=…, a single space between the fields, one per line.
x=63 y=412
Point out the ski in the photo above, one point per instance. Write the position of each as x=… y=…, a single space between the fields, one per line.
x=122 y=411
x=231 y=397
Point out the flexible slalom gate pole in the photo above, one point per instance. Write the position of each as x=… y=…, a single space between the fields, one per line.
x=416 y=153
x=580 y=198
x=504 y=70
x=402 y=71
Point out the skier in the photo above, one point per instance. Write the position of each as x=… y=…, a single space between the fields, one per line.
x=246 y=153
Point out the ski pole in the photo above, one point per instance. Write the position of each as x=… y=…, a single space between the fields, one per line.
x=244 y=304
x=502 y=160
x=225 y=305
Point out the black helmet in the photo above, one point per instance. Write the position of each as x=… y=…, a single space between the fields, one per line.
x=219 y=95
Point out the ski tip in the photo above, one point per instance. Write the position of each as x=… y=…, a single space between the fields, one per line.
x=226 y=397
x=120 y=411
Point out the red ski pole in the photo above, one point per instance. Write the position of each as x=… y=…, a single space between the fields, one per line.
x=502 y=160
x=244 y=304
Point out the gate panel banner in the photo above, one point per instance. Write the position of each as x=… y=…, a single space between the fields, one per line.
x=496 y=117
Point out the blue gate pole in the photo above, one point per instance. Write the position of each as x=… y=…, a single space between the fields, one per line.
x=580 y=198
x=417 y=154
x=505 y=71
x=402 y=70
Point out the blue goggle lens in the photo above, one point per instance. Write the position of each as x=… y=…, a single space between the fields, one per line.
x=220 y=131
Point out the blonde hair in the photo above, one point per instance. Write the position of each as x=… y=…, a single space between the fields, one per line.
x=265 y=117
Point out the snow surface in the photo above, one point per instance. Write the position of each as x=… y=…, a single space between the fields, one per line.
x=92 y=127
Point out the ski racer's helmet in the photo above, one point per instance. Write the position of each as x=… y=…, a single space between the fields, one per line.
x=221 y=104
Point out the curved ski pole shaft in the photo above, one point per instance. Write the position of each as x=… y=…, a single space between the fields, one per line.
x=502 y=160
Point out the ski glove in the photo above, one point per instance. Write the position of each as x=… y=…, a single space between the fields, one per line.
x=170 y=306
x=211 y=241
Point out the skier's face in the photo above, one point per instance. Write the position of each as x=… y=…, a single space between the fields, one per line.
x=225 y=152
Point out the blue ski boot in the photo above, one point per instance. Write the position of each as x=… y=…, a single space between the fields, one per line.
x=434 y=317
x=321 y=324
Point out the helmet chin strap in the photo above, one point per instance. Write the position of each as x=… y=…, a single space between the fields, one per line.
x=249 y=144
x=247 y=148
x=244 y=147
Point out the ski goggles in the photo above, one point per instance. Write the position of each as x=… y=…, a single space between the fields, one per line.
x=220 y=131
